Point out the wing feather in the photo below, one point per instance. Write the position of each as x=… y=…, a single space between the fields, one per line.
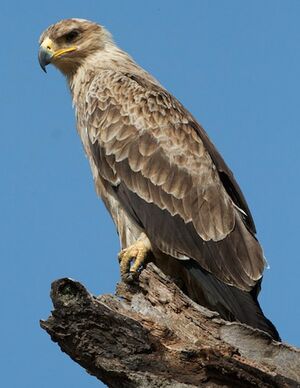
x=170 y=178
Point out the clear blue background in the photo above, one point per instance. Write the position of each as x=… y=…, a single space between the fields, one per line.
x=234 y=65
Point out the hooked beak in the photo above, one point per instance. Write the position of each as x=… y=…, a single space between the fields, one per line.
x=47 y=53
x=45 y=57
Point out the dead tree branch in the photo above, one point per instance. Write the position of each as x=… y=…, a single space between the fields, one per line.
x=152 y=335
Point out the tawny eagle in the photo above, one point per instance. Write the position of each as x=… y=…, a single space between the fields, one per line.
x=168 y=190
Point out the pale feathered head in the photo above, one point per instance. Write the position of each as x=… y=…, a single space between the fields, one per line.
x=69 y=42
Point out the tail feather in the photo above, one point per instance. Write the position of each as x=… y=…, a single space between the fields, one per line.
x=230 y=302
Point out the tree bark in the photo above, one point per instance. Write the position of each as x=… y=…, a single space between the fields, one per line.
x=151 y=335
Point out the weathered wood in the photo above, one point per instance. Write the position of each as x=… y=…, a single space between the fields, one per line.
x=151 y=335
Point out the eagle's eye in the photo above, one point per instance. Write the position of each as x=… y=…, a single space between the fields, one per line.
x=70 y=36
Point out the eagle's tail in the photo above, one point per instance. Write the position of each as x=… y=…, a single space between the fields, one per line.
x=230 y=302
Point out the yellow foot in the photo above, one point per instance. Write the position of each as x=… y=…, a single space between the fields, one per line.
x=136 y=254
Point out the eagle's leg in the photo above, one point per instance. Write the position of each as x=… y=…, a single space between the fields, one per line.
x=133 y=257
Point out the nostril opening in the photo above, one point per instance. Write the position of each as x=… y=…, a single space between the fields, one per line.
x=48 y=47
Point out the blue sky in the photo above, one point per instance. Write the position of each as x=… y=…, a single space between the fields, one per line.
x=234 y=65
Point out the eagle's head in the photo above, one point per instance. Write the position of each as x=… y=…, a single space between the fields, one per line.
x=69 y=42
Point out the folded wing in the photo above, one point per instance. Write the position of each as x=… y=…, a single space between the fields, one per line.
x=170 y=178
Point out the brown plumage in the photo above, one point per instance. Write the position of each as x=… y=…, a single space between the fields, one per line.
x=160 y=176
